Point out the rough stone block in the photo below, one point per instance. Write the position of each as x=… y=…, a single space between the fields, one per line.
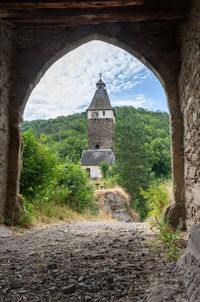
x=189 y=264
x=196 y=194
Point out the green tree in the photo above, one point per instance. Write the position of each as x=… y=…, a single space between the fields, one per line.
x=161 y=157
x=38 y=166
x=133 y=163
x=72 y=147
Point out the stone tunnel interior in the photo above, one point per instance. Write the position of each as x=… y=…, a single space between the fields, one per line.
x=46 y=54
x=164 y=35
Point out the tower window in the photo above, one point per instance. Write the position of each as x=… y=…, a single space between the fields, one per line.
x=104 y=113
x=95 y=114
x=97 y=146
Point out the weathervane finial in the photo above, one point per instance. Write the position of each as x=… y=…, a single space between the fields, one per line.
x=100 y=75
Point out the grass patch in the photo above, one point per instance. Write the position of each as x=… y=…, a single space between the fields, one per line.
x=172 y=240
x=100 y=184
x=52 y=213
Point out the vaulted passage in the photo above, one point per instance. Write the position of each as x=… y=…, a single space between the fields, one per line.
x=164 y=35
x=32 y=44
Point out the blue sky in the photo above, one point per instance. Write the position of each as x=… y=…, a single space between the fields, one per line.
x=69 y=84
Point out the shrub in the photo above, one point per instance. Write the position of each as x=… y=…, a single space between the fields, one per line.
x=157 y=198
x=171 y=239
x=45 y=180
x=104 y=166
x=38 y=167
x=73 y=177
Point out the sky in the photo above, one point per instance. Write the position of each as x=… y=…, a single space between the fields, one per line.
x=70 y=83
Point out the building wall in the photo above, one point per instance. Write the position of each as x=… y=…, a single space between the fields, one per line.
x=108 y=114
x=95 y=171
x=189 y=82
x=4 y=95
x=100 y=131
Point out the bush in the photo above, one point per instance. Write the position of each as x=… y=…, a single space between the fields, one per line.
x=38 y=167
x=73 y=177
x=71 y=147
x=157 y=198
x=104 y=166
x=172 y=240
x=70 y=187
x=44 y=179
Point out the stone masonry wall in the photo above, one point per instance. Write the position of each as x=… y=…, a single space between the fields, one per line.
x=4 y=80
x=189 y=82
x=35 y=49
x=100 y=131
x=190 y=103
x=189 y=265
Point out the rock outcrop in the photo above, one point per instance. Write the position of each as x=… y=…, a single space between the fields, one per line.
x=116 y=203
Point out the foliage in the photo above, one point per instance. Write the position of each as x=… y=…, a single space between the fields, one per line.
x=70 y=147
x=76 y=180
x=161 y=156
x=44 y=179
x=29 y=207
x=25 y=220
x=155 y=131
x=67 y=135
x=133 y=162
x=104 y=166
x=38 y=166
x=142 y=155
x=171 y=239
x=157 y=198
x=59 y=127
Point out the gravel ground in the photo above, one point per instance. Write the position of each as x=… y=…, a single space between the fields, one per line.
x=87 y=261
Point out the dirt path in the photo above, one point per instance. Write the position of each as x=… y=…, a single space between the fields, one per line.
x=87 y=261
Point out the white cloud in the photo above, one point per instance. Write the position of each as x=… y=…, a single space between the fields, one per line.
x=70 y=82
x=137 y=101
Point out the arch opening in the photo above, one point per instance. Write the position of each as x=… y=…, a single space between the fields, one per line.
x=118 y=58
x=55 y=51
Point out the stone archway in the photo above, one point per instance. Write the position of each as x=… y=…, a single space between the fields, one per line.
x=33 y=51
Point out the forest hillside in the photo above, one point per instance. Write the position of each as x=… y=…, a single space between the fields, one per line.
x=142 y=151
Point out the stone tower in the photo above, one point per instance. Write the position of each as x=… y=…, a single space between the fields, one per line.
x=101 y=120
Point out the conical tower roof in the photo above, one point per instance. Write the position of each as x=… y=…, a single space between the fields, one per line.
x=100 y=100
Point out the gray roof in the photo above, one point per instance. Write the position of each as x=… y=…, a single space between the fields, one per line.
x=100 y=100
x=95 y=157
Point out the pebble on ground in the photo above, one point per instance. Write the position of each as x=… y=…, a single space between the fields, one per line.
x=86 y=261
